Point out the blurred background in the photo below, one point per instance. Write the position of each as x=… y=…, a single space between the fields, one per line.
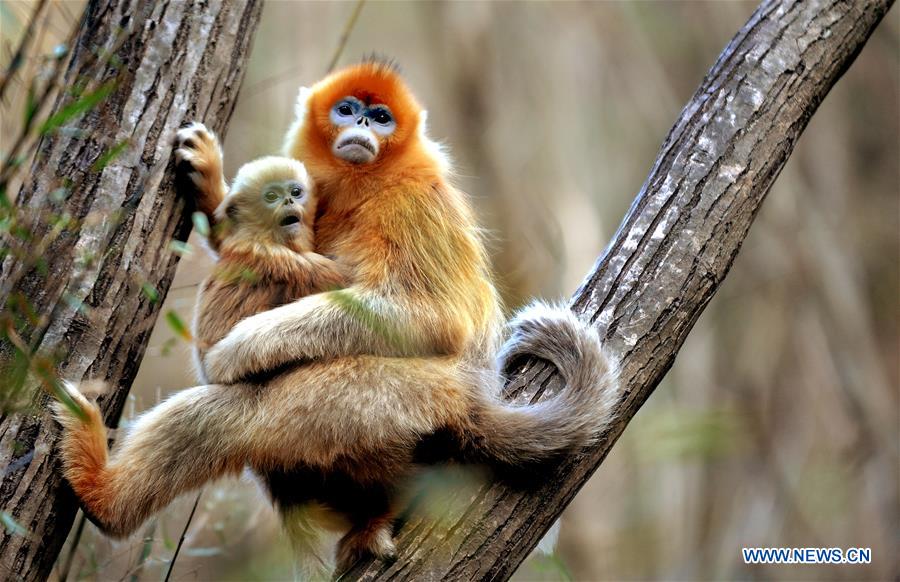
x=779 y=424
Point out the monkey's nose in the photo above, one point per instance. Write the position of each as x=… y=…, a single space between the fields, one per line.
x=363 y=121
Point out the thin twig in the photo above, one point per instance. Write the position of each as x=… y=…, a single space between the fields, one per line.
x=16 y=60
x=342 y=43
x=277 y=78
x=67 y=565
x=146 y=548
x=183 y=535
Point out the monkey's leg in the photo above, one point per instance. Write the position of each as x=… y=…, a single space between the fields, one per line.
x=372 y=519
x=199 y=150
x=178 y=445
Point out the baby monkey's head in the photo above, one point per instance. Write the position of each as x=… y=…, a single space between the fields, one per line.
x=271 y=201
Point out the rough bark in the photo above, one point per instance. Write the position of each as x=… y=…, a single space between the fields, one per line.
x=669 y=256
x=169 y=62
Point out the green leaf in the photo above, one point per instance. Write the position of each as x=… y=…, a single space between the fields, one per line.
x=12 y=526
x=76 y=304
x=78 y=107
x=201 y=223
x=59 y=195
x=167 y=346
x=111 y=154
x=551 y=566
x=180 y=247
x=150 y=292
x=178 y=326
x=202 y=552
x=31 y=104
x=52 y=381
x=13 y=375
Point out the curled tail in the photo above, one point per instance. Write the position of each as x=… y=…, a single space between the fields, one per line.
x=568 y=420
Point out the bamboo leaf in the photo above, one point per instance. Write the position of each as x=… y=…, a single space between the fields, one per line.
x=150 y=292
x=31 y=104
x=181 y=248
x=12 y=526
x=111 y=154
x=78 y=107
x=178 y=326
x=201 y=223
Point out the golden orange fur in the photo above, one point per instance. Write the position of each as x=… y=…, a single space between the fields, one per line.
x=359 y=379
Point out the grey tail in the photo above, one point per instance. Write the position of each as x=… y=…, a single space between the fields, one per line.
x=516 y=435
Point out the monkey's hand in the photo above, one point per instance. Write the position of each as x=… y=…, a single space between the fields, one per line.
x=199 y=158
x=326 y=274
x=324 y=326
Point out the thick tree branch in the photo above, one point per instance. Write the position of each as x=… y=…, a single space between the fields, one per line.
x=163 y=63
x=666 y=261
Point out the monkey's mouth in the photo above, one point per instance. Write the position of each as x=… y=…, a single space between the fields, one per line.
x=290 y=223
x=360 y=141
x=357 y=149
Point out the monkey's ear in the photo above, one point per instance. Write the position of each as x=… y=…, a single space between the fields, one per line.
x=231 y=212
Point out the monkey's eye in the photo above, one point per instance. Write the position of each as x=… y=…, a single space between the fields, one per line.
x=270 y=196
x=296 y=192
x=344 y=111
x=381 y=116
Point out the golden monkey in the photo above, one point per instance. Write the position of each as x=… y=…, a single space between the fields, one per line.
x=346 y=404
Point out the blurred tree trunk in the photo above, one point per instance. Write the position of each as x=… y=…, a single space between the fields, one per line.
x=144 y=68
x=668 y=258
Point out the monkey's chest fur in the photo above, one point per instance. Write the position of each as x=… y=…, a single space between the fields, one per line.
x=233 y=293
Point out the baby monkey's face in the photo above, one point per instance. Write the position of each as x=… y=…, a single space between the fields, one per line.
x=286 y=201
x=271 y=201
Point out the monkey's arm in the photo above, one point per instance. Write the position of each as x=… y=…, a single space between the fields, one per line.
x=350 y=321
x=325 y=274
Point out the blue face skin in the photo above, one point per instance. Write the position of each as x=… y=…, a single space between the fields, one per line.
x=362 y=128
x=350 y=111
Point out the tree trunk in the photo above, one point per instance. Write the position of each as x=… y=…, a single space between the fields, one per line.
x=163 y=63
x=669 y=256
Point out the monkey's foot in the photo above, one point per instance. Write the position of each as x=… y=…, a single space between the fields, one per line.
x=372 y=540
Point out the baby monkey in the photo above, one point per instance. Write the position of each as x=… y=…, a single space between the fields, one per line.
x=262 y=232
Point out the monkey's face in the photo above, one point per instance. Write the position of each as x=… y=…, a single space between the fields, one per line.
x=362 y=118
x=361 y=129
x=285 y=204
x=270 y=202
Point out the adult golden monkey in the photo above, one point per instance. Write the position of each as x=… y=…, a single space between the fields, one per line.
x=356 y=379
